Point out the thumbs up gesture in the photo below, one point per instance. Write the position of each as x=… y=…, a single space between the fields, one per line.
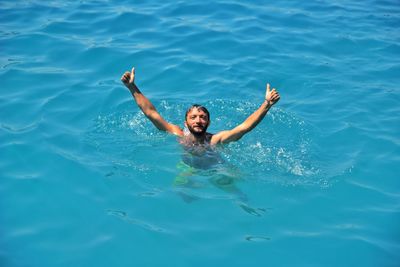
x=272 y=97
x=128 y=78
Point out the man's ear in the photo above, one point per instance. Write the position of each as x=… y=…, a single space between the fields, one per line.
x=185 y=124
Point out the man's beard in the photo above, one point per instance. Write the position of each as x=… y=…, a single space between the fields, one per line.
x=197 y=133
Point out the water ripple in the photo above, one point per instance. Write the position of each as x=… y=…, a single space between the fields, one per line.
x=73 y=142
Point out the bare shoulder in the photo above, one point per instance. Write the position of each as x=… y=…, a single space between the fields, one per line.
x=175 y=130
x=218 y=137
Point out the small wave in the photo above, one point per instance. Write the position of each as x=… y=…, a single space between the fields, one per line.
x=146 y=225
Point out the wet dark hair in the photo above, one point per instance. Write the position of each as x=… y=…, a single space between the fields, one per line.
x=199 y=107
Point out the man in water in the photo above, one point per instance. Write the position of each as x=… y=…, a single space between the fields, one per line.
x=197 y=118
x=199 y=144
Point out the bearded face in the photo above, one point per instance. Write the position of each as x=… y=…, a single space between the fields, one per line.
x=197 y=121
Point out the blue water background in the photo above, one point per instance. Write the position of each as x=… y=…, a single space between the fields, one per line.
x=86 y=180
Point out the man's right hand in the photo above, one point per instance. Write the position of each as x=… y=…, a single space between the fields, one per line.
x=128 y=78
x=271 y=96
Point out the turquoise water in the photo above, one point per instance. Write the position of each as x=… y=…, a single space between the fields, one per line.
x=85 y=180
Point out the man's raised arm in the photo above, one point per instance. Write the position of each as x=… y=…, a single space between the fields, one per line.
x=128 y=78
x=271 y=97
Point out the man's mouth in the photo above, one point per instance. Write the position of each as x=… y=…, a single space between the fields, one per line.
x=197 y=129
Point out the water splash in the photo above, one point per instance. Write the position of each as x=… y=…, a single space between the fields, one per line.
x=283 y=149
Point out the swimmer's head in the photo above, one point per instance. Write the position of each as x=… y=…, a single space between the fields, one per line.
x=197 y=119
x=198 y=107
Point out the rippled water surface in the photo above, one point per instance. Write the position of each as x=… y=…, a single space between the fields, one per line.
x=86 y=180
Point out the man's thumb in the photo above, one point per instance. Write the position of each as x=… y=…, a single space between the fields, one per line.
x=132 y=75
